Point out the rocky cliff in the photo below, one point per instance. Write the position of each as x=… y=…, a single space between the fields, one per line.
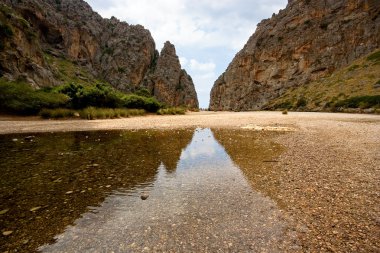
x=171 y=83
x=308 y=40
x=39 y=38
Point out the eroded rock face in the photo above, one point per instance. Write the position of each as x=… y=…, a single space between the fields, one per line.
x=306 y=41
x=123 y=55
x=172 y=84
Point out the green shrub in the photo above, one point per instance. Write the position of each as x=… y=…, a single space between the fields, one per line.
x=105 y=96
x=21 y=98
x=301 y=102
x=284 y=105
x=307 y=22
x=324 y=26
x=360 y=102
x=143 y=92
x=171 y=111
x=374 y=56
x=139 y=102
x=5 y=30
x=100 y=95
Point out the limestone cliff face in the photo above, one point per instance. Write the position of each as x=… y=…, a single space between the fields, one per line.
x=308 y=40
x=171 y=83
x=123 y=55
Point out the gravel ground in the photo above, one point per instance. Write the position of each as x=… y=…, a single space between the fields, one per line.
x=301 y=120
x=327 y=179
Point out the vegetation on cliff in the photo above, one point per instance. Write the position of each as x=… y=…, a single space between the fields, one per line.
x=356 y=86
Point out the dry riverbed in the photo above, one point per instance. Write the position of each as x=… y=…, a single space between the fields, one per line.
x=326 y=180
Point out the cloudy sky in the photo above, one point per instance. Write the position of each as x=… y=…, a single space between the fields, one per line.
x=206 y=33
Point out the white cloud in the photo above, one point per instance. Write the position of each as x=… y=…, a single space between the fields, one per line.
x=203 y=67
x=207 y=23
x=183 y=61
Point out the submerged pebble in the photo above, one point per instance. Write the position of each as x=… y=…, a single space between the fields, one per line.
x=34 y=209
x=6 y=233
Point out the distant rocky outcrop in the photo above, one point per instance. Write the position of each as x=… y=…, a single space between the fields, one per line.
x=171 y=83
x=308 y=40
x=35 y=33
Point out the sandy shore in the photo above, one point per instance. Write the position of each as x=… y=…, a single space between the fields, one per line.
x=327 y=180
x=248 y=120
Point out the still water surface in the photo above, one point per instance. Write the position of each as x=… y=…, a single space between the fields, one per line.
x=81 y=192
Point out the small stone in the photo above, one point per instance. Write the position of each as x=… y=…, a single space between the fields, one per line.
x=29 y=138
x=6 y=233
x=69 y=192
x=14 y=139
x=4 y=211
x=34 y=209
x=144 y=196
x=108 y=186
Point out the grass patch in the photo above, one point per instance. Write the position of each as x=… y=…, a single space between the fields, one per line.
x=108 y=113
x=57 y=113
x=353 y=67
x=171 y=111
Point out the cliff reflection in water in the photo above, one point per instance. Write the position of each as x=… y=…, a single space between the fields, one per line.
x=204 y=204
x=47 y=182
x=254 y=152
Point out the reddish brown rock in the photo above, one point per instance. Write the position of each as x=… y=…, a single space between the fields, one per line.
x=308 y=40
